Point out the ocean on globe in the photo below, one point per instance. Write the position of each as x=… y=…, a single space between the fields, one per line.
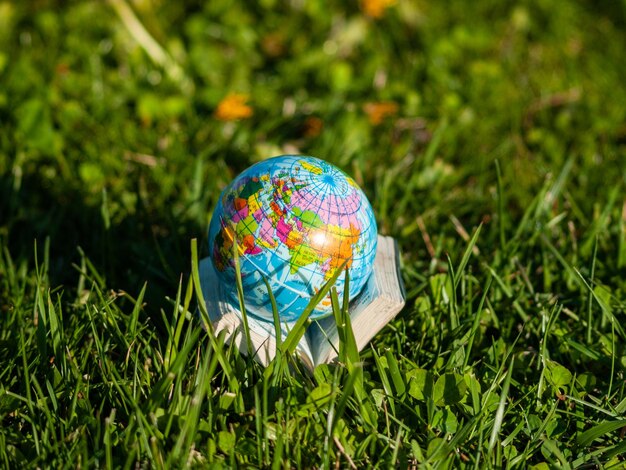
x=295 y=220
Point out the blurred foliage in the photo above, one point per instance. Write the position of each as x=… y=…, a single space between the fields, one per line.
x=101 y=142
x=92 y=126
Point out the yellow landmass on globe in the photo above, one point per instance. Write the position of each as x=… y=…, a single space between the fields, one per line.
x=312 y=168
x=338 y=245
x=332 y=244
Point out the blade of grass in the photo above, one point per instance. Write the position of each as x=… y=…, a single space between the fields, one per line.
x=396 y=376
x=275 y=314
x=232 y=377
x=599 y=430
x=240 y=297
x=150 y=45
x=590 y=295
x=501 y=221
x=382 y=372
x=466 y=256
x=297 y=331
x=606 y=309
x=497 y=425
x=435 y=142
x=346 y=393
x=476 y=323
x=452 y=307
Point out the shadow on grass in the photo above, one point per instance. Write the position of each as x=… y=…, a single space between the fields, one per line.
x=150 y=247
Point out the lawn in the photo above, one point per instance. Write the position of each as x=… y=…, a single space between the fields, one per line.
x=490 y=138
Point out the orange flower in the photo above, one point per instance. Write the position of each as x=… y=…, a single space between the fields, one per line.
x=376 y=8
x=378 y=112
x=233 y=107
x=313 y=126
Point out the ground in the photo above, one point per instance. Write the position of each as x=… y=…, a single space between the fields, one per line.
x=490 y=137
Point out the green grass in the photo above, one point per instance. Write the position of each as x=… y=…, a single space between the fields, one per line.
x=500 y=170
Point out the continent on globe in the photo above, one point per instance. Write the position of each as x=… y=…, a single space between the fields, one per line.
x=295 y=220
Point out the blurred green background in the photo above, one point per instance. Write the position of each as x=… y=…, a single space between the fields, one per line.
x=112 y=137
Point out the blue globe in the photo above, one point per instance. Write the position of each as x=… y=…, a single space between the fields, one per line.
x=296 y=220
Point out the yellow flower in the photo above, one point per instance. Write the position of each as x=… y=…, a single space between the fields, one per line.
x=233 y=107
x=378 y=112
x=376 y=8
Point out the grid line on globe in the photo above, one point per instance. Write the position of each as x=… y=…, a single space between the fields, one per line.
x=295 y=221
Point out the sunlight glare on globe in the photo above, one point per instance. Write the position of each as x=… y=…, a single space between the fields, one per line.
x=295 y=220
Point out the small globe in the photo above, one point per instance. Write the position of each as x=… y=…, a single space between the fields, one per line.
x=296 y=220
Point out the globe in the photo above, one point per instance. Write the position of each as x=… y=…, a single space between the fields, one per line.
x=295 y=221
